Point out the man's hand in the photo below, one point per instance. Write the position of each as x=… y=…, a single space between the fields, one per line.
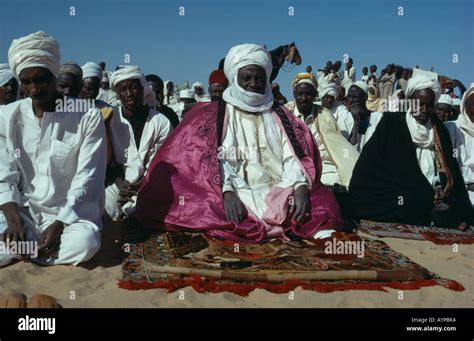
x=127 y=190
x=234 y=207
x=50 y=239
x=15 y=230
x=300 y=205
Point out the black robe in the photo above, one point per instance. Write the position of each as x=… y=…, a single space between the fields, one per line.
x=387 y=184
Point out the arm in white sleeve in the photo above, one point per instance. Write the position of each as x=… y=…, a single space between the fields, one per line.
x=85 y=195
x=292 y=175
x=9 y=174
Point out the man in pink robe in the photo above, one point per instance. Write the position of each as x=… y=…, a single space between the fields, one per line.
x=191 y=186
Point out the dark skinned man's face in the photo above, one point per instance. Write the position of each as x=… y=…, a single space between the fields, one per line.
x=305 y=95
x=169 y=87
x=373 y=69
x=130 y=92
x=252 y=78
x=10 y=91
x=90 y=88
x=216 y=90
x=39 y=84
x=444 y=111
x=198 y=90
x=105 y=85
x=426 y=99
x=68 y=84
x=364 y=71
x=356 y=95
x=328 y=101
x=470 y=107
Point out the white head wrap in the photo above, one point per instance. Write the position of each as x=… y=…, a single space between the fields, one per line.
x=238 y=57
x=199 y=85
x=361 y=85
x=457 y=101
x=422 y=79
x=134 y=72
x=446 y=99
x=91 y=69
x=327 y=89
x=165 y=89
x=35 y=50
x=463 y=120
x=5 y=73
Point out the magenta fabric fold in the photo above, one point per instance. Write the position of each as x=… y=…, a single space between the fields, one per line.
x=182 y=189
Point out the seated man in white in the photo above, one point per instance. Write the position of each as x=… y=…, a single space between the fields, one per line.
x=52 y=164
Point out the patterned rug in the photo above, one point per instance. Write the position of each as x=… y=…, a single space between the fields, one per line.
x=175 y=260
x=436 y=235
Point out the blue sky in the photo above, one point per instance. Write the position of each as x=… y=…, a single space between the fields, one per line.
x=190 y=47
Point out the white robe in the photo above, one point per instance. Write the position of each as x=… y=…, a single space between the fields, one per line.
x=463 y=145
x=330 y=175
x=135 y=161
x=54 y=169
x=265 y=159
x=344 y=119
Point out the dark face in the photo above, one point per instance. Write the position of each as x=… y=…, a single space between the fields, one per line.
x=349 y=63
x=216 y=90
x=337 y=66
x=356 y=95
x=39 y=84
x=158 y=89
x=252 y=78
x=102 y=65
x=90 y=88
x=401 y=95
x=365 y=71
x=305 y=95
x=105 y=85
x=444 y=112
x=130 y=92
x=170 y=87
x=340 y=93
x=373 y=68
x=329 y=64
x=198 y=90
x=405 y=74
x=309 y=69
x=326 y=70
x=470 y=107
x=10 y=91
x=426 y=100
x=328 y=101
x=68 y=84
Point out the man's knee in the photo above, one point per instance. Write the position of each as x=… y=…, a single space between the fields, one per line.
x=78 y=245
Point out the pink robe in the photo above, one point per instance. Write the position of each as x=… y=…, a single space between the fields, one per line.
x=182 y=189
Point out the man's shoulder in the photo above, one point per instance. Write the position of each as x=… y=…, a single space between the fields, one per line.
x=8 y=110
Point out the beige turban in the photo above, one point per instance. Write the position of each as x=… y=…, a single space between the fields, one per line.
x=35 y=50
x=72 y=68
x=305 y=77
x=91 y=69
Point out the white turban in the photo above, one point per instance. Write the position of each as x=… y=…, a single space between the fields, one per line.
x=134 y=72
x=35 y=50
x=5 y=73
x=238 y=57
x=327 y=89
x=305 y=77
x=446 y=99
x=362 y=85
x=422 y=79
x=463 y=120
x=199 y=85
x=91 y=69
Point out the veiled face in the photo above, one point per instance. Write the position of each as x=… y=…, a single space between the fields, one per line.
x=252 y=78
x=470 y=107
x=426 y=99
